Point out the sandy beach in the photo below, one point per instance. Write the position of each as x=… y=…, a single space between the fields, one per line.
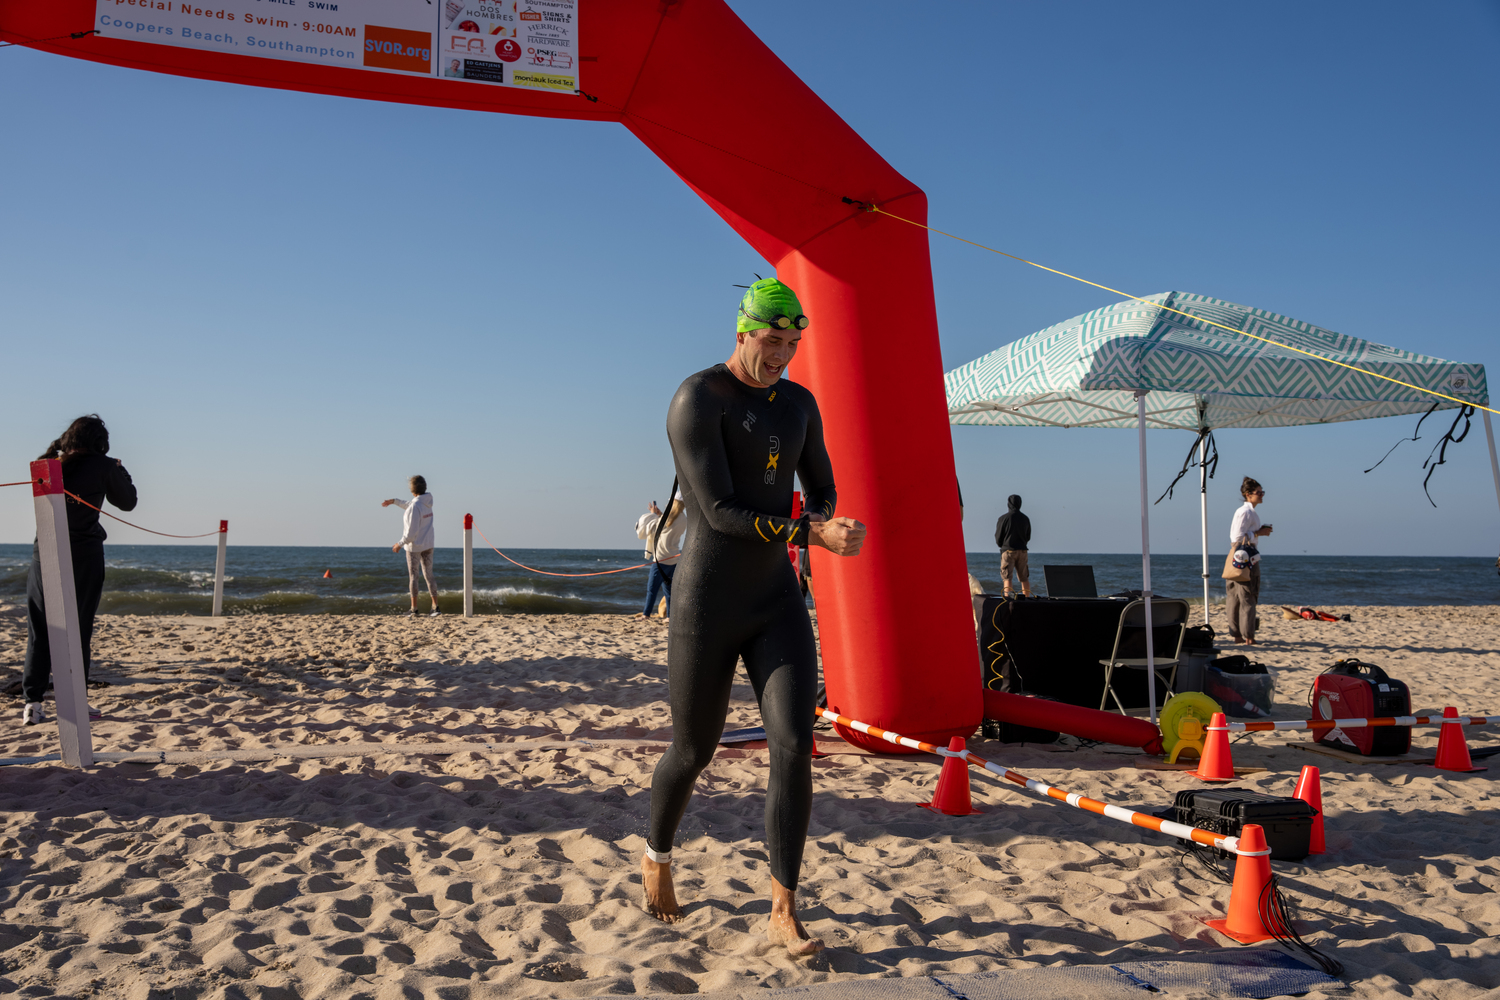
x=513 y=871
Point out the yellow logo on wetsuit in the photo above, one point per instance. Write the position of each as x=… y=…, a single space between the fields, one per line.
x=772 y=459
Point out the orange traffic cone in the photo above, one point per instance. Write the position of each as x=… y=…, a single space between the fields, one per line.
x=1252 y=870
x=1216 y=764
x=1310 y=790
x=951 y=796
x=1453 y=749
x=328 y=574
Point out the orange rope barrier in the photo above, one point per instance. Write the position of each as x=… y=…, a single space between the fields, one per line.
x=1179 y=830
x=544 y=572
x=137 y=527
x=24 y=482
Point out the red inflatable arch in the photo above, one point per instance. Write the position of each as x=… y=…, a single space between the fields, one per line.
x=683 y=75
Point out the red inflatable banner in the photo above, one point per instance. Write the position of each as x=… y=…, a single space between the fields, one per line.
x=685 y=76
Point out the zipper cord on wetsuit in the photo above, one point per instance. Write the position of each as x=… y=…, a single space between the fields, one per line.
x=661 y=523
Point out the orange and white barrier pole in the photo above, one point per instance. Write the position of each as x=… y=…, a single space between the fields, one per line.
x=468 y=565
x=55 y=551
x=1399 y=720
x=219 y=570
x=1171 y=829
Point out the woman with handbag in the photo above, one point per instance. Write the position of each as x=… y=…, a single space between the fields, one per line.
x=1242 y=566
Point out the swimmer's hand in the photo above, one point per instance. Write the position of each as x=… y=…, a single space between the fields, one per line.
x=386 y=503
x=396 y=547
x=843 y=536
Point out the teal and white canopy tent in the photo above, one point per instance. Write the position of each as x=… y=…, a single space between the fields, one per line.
x=1189 y=362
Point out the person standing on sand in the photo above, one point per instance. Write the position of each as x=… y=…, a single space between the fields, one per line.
x=666 y=554
x=1240 y=599
x=89 y=473
x=738 y=432
x=417 y=536
x=1013 y=534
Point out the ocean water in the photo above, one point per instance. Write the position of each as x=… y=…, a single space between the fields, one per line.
x=178 y=579
x=1291 y=580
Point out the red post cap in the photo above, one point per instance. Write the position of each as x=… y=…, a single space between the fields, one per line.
x=468 y=521
x=46 y=477
x=223 y=526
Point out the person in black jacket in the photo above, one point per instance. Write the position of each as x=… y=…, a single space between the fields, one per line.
x=1013 y=534
x=87 y=473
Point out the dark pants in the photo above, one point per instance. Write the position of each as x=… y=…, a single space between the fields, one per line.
x=659 y=583
x=88 y=585
x=1240 y=600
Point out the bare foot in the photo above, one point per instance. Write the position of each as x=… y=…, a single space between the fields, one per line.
x=785 y=928
x=660 y=898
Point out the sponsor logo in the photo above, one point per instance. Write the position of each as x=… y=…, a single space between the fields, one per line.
x=530 y=15
x=551 y=58
x=544 y=81
x=398 y=48
x=772 y=459
x=749 y=421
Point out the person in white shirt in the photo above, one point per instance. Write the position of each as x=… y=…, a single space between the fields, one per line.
x=668 y=550
x=1241 y=598
x=417 y=537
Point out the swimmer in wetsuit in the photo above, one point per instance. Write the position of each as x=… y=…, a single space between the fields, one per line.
x=738 y=433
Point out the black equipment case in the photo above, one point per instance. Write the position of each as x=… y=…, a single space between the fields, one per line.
x=1287 y=821
x=1354 y=690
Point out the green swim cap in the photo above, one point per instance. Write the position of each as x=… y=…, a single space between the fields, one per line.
x=764 y=300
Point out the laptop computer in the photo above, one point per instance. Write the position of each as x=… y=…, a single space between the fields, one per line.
x=1070 y=581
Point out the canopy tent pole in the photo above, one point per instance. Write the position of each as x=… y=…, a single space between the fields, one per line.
x=1489 y=435
x=1203 y=512
x=1140 y=404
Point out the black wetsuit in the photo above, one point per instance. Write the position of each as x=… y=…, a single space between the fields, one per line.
x=735 y=594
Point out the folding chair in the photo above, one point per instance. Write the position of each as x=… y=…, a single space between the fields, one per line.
x=1130 y=644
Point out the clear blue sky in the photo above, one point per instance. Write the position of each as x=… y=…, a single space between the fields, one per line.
x=284 y=304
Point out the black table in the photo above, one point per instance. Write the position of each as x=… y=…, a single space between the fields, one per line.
x=1052 y=647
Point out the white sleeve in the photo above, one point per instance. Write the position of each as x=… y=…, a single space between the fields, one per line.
x=645 y=524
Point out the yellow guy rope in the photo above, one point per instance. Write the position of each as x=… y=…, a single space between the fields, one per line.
x=1137 y=298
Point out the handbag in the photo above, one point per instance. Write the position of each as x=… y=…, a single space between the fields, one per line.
x=1233 y=573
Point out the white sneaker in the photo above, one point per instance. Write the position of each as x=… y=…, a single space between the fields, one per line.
x=94 y=714
x=33 y=713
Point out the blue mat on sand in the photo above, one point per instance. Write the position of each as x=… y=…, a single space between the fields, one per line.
x=1257 y=974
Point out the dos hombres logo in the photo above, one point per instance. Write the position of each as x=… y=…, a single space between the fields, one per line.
x=398 y=48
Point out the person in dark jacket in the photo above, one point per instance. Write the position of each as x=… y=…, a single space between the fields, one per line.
x=88 y=473
x=1013 y=534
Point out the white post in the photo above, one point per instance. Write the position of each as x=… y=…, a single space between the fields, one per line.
x=219 y=570
x=1489 y=434
x=1203 y=515
x=1140 y=403
x=64 y=641
x=468 y=565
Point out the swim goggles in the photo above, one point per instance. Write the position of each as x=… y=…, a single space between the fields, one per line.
x=780 y=321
